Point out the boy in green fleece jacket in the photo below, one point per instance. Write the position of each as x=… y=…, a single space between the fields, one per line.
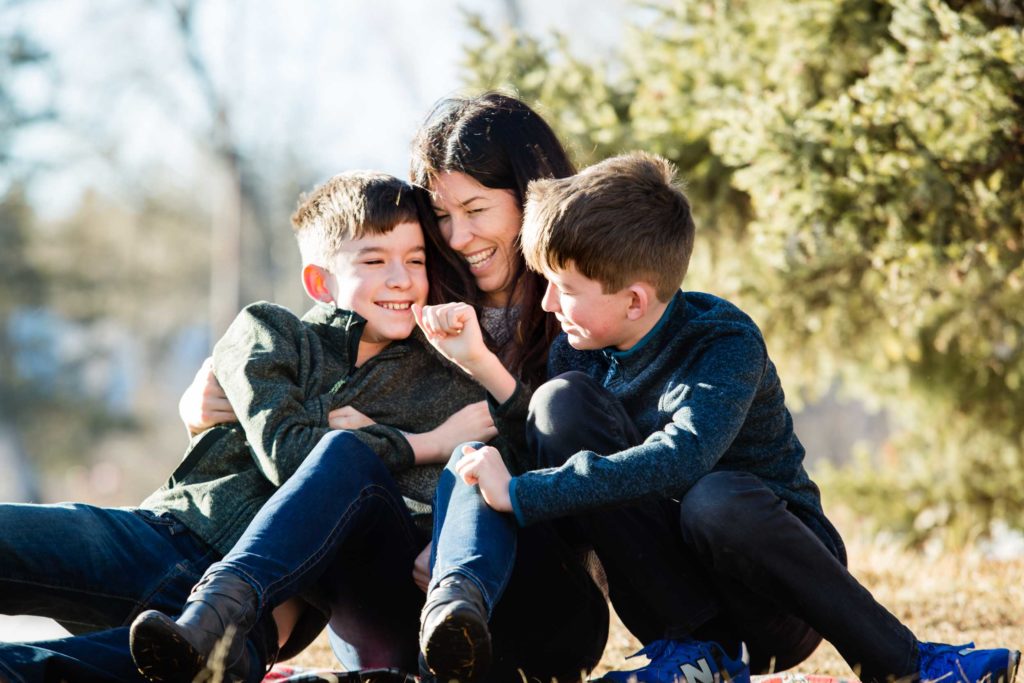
x=364 y=263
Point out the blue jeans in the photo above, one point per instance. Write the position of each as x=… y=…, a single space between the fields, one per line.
x=93 y=570
x=547 y=616
x=338 y=528
x=728 y=561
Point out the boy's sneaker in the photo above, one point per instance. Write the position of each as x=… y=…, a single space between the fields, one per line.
x=685 y=661
x=964 y=664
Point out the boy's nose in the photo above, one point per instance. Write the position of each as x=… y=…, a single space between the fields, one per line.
x=399 y=277
x=549 y=300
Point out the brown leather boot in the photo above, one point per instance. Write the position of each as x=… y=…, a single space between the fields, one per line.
x=211 y=632
x=454 y=639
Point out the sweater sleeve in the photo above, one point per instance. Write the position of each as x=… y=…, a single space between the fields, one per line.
x=510 y=420
x=265 y=362
x=707 y=403
x=390 y=445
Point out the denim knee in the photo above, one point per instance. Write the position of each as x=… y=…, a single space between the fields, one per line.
x=457 y=454
x=341 y=453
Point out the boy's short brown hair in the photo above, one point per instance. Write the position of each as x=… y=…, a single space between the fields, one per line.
x=621 y=220
x=347 y=207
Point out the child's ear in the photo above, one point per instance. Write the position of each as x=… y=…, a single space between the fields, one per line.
x=639 y=300
x=314 y=280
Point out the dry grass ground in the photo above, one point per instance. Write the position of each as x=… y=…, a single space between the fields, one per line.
x=954 y=598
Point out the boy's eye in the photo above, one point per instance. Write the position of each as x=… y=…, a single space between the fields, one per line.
x=373 y=262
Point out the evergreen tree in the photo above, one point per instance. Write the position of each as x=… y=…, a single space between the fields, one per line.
x=856 y=168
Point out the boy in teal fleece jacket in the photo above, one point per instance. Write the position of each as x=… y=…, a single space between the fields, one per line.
x=663 y=441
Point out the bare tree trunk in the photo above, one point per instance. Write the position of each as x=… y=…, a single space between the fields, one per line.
x=514 y=14
x=23 y=486
x=225 y=248
x=229 y=191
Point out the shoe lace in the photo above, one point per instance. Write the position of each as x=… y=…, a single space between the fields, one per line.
x=652 y=650
x=942 y=661
x=679 y=650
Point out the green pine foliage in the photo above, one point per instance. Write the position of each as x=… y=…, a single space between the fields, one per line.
x=857 y=171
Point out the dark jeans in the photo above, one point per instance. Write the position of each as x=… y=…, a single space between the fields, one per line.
x=727 y=562
x=339 y=526
x=92 y=569
x=547 y=616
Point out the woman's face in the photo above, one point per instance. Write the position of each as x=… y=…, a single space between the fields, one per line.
x=481 y=224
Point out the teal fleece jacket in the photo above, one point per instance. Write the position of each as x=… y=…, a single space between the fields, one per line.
x=705 y=397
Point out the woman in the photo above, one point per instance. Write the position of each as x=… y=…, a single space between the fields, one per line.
x=476 y=156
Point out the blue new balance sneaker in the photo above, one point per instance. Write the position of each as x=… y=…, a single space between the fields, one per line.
x=964 y=664
x=685 y=661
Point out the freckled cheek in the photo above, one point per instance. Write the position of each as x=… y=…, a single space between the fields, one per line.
x=570 y=314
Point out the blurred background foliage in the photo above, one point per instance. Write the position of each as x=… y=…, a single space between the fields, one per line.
x=151 y=153
x=856 y=168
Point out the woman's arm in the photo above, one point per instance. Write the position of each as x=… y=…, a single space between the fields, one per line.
x=204 y=403
x=471 y=423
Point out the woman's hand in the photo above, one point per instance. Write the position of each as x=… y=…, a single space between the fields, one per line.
x=472 y=423
x=347 y=417
x=421 y=568
x=204 y=403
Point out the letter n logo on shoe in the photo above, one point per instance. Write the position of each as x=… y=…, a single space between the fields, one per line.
x=694 y=675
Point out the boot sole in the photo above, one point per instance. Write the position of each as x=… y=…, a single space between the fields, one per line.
x=459 y=648
x=160 y=653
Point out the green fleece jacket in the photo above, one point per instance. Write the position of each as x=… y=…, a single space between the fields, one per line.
x=283 y=376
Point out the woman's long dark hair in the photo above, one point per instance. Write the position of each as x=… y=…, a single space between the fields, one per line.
x=502 y=144
x=448 y=274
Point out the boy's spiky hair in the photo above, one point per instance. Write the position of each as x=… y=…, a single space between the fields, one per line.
x=349 y=206
x=619 y=221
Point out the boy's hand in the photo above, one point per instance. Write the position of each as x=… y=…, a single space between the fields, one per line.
x=204 y=403
x=421 y=568
x=347 y=417
x=454 y=331
x=485 y=468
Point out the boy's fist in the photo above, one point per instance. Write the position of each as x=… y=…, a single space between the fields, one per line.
x=486 y=469
x=454 y=330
